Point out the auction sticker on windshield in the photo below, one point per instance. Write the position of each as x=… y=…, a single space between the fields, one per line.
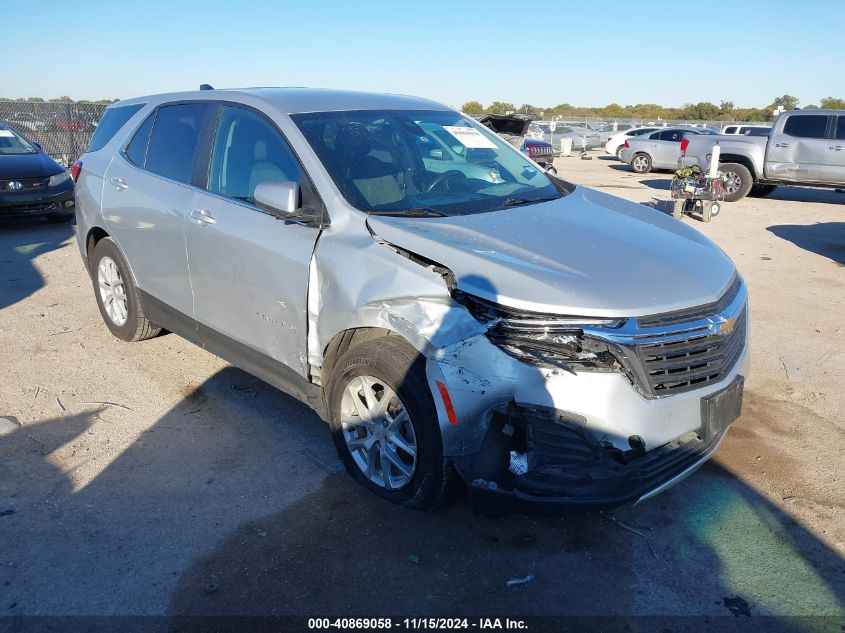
x=469 y=137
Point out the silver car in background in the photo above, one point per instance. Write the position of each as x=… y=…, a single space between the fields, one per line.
x=657 y=150
x=548 y=345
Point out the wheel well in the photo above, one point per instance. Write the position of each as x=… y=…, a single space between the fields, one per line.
x=347 y=339
x=742 y=160
x=94 y=236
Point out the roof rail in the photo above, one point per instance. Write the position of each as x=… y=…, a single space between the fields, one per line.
x=206 y=87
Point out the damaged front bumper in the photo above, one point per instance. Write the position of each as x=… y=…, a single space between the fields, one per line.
x=539 y=460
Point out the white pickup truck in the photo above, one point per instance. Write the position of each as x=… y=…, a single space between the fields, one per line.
x=805 y=147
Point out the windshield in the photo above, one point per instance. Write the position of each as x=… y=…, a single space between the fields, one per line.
x=13 y=143
x=422 y=163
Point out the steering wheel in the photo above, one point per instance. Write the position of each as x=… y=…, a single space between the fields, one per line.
x=444 y=178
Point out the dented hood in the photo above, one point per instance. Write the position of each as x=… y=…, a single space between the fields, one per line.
x=586 y=254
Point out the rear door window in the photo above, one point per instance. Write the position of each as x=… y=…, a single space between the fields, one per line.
x=806 y=126
x=113 y=119
x=172 y=148
x=673 y=136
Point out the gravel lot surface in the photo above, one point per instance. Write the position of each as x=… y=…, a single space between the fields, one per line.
x=153 y=478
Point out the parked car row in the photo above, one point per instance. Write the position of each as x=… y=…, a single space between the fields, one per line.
x=658 y=149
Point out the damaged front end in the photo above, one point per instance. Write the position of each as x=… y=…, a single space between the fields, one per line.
x=540 y=460
x=563 y=441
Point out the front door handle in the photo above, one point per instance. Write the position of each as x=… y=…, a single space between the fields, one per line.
x=782 y=144
x=837 y=147
x=120 y=183
x=202 y=216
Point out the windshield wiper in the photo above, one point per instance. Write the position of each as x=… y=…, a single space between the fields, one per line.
x=515 y=202
x=413 y=212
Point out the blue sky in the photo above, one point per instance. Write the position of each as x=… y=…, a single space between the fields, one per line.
x=588 y=53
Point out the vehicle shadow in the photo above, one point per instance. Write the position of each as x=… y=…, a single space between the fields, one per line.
x=664 y=206
x=824 y=238
x=806 y=194
x=22 y=240
x=232 y=502
x=663 y=184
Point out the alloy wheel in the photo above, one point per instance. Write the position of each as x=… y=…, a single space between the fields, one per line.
x=640 y=163
x=732 y=182
x=112 y=291
x=378 y=432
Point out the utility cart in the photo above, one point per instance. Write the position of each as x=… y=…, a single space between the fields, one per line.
x=695 y=191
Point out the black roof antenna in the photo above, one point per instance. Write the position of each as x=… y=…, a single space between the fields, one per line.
x=206 y=87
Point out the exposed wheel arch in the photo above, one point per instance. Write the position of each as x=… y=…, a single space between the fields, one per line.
x=345 y=340
x=94 y=236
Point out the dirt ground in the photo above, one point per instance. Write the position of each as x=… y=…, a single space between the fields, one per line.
x=153 y=478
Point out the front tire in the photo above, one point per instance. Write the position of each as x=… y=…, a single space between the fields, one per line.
x=384 y=427
x=117 y=295
x=738 y=181
x=641 y=163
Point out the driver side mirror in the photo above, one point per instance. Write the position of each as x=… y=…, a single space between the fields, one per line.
x=281 y=200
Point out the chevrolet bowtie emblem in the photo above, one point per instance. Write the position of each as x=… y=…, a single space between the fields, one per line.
x=728 y=325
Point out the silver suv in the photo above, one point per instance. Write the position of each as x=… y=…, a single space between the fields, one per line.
x=546 y=344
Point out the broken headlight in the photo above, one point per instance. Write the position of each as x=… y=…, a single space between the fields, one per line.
x=546 y=340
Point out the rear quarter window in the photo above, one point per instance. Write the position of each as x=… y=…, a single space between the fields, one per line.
x=113 y=119
x=172 y=147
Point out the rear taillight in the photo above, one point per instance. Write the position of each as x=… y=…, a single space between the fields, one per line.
x=626 y=144
x=75 y=169
x=684 y=145
x=609 y=138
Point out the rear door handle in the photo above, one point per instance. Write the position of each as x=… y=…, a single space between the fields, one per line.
x=782 y=144
x=202 y=216
x=837 y=147
x=120 y=183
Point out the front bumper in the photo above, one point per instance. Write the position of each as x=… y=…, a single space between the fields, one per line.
x=569 y=470
x=56 y=200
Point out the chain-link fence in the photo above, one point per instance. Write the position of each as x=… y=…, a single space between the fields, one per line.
x=62 y=129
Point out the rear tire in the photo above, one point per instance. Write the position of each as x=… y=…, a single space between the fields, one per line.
x=678 y=208
x=738 y=181
x=363 y=376
x=619 y=152
x=641 y=163
x=759 y=191
x=117 y=295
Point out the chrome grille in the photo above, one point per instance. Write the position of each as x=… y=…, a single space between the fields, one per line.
x=680 y=351
x=689 y=363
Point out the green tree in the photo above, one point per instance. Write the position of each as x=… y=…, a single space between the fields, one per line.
x=61 y=100
x=705 y=111
x=812 y=106
x=726 y=108
x=500 y=107
x=472 y=107
x=613 y=110
x=787 y=101
x=527 y=108
x=831 y=103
